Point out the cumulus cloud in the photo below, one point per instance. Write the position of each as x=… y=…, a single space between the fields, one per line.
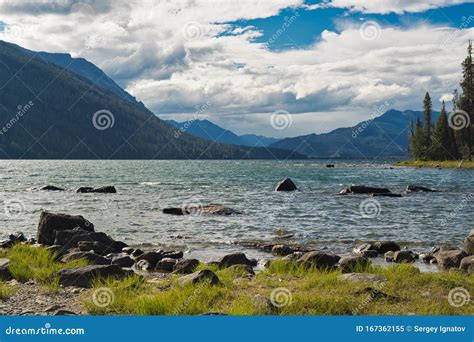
x=177 y=56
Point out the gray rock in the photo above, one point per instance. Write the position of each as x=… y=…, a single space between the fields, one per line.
x=128 y=250
x=96 y=247
x=467 y=264
x=362 y=189
x=51 y=188
x=4 y=269
x=469 y=243
x=144 y=265
x=122 y=260
x=319 y=259
x=403 y=257
x=286 y=185
x=166 y=264
x=282 y=250
x=83 y=276
x=426 y=257
x=91 y=257
x=417 y=188
x=350 y=263
x=173 y=254
x=186 y=266
x=209 y=209
x=136 y=253
x=195 y=278
x=235 y=259
x=248 y=270
x=105 y=190
x=384 y=246
x=51 y=223
x=449 y=259
x=362 y=278
x=389 y=256
x=151 y=257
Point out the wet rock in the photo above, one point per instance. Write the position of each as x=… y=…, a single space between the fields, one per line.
x=469 y=243
x=329 y=165
x=186 y=266
x=104 y=190
x=51 y=188
x=282 y=250
x=91 y=257
x=136 y=253
x=350 y=263
x=467 y=264
x=83 y=276
x=173 y=255
x=50 y=224
x=286 y=185
x=210 y=209
x=362 y=189
x=17 y=237
x=4 y=269
x=389 y=256
x=417 y=188
x=166 y=264
x=235 y=259
x=293 y=256
x=362 y=278
x=72 y=238
x=319 y=259
x=151 y=257
x=403 y=257
x=384 y=246
x=203 y=276
x=96 y=247
x=122 y=260
x=449 y=259
x=367 y=249
x=127 y=250
x=426 y=257
x=144 y=265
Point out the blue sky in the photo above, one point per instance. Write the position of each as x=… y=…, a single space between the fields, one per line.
x=328 y=67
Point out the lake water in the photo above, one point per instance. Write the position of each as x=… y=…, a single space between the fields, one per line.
x=315 y=214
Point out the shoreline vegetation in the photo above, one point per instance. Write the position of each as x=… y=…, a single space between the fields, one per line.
x=437 y=164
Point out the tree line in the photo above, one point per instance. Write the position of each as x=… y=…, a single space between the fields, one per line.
x=451 y=136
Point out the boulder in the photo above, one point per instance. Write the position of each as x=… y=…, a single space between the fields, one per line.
x=13 y=239
x=104 y=190
x=426 y=257
x=58 y=250
x=467 y=264
x=136 y=253
x=185 y=266
x=210 y=209
x=4 y=269
x=144 y=265
x=248 y=270
x=50 y=223
x=122 y=260
x=72 y=238
x=282 y=250
x=151 y=257
x=350 y=263
x=51 y=188
x=166 y=264
x=83 y=276
x=235 y=259
x=389 y=256
x=96 y=247
x=91 y=257
x=203 y=276
x=403 y=257
x=469 y=243
x=319 y=259
x=384 y=246
x=286 y=185
x=417 y=188
x=362 y=278
x=362 y=189
x=173 y=254
x=127 y=250
x=366 y=249
x=449 y=259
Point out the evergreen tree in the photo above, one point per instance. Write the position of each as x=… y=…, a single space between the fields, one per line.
x=441 y=137
x=418 y=142
x=427 y=113
x=466 y=103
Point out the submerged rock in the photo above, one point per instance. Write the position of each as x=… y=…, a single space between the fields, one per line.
x=83 y=276
x=104 y=190
x=51 y=188
x=362 y=189
x=51 y=223
x=417 y=188
x=387 y=195
x=282 y=250
x=210 y=209
x=286 y=185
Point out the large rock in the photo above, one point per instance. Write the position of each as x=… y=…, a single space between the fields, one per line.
x=166 y=264
x=185 y=266
x=449 y=259
x=203 y=276
x=4 y=269
x=144 y=265
x=403 y=257
x=350 y=263
x=72 y=238
x=121 y=259
x=362 y=278
x=91 y=257
x=366 y=249
x=286 y=185
x=362 y=189
x=173 y=254
x=282 y=250
x=51 y=188
x=104 y=190
x=151 y=257
x=417 y=188
x=386 y=246
x=235 y=259
x=84 y=276
x=469 y=243
x=13 y=239
x=209 y=209
x=467 y=264
x=319 y=259
x=50 y=223
x=96 y=247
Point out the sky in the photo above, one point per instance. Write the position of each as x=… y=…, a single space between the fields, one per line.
x=276 y=68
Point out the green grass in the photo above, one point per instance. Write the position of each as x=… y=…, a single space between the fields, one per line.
x=36 y=263
x=6 y=291
x=434 y=163
x=313 y=292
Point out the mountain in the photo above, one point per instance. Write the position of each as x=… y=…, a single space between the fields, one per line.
x=382 y=137
x=48 y=112
x=205 y=129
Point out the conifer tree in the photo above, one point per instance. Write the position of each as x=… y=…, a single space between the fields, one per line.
x=441 y=137
x=427 y=114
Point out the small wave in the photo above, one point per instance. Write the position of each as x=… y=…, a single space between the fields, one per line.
x=150 y=183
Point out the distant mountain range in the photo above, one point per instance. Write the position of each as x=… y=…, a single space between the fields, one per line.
x=205 y=129
x=53 y=106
